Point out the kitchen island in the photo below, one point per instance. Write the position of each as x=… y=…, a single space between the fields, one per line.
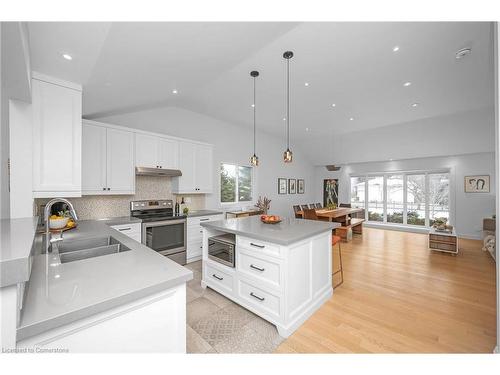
x=282 y=272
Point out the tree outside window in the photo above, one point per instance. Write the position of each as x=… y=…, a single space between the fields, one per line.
x=236 y=183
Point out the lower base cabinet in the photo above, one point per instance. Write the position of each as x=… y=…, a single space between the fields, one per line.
x=154 y=324
x=284 y=285
x=133 y=230
x=195 y=235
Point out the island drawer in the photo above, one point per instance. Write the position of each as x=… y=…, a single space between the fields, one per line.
x=258 y=246
x=263 y=301
x=258 y=267
x=218 y=278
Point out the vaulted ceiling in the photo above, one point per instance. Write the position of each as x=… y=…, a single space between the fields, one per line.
x=125 y=67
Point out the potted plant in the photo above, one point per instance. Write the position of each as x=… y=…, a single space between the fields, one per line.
x=263 y=204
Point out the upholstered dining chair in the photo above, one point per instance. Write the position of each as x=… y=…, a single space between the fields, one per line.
x=304 y=207
x=346 y=205
x=296 y=209
x=318 y=205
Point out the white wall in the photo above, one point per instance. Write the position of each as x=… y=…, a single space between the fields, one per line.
x=21 y=159
x=232 y=144
x=456 y=134
x=470 y=208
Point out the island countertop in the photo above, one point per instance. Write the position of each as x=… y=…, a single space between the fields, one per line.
x=288 y=231
x=63 y=293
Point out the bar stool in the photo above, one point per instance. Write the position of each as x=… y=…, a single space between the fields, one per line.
x=336 y=240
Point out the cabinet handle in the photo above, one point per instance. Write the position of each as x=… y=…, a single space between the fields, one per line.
x=103 y=188
x=255 y=245
x=201 y=231
x=109 y=188
x=217 y=277
x=124 y=229
x=256 y=296
x=204 y=219
x=257 y=268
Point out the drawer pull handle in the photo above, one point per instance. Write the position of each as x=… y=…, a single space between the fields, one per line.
x=256 y=296
x=201 y=231
x=257 y=268
x=255 y=245
x=217 y=277
x=204 y=219
x=124 y=229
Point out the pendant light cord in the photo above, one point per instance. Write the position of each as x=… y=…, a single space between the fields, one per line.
x=254 y=109
x=287 y=103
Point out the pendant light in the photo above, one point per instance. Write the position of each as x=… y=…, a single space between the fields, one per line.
x=287 y=155
x=254 y=160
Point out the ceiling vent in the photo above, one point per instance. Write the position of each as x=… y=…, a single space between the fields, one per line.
x=333 y=167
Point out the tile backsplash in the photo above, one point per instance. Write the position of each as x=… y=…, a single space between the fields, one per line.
x=146 y=187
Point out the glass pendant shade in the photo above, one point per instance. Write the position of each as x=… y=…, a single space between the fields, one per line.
x=287 y=156
x=254 y=160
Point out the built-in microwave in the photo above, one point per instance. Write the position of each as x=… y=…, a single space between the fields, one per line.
x=222 y=249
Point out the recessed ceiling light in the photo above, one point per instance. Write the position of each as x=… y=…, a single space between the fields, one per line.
x=334 y=105
x=351 y=119
x=57 y=276
x=462 y=53
x=284 y=118
x=414 y=105
x=306 y=84
x=67 y=57
x=391 y=159
x=253 y=105
x=406 y=84
x=174 y=91
x=307 y=129
x=395 y=49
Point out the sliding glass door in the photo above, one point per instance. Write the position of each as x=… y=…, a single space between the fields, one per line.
x=395 y=198
x=404 y=198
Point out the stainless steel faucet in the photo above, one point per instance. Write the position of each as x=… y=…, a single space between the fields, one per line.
x=46 y=215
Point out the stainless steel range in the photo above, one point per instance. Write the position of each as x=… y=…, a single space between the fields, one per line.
x=162 y=230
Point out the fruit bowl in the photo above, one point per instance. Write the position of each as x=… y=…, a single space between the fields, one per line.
x=58 y=223
x=270 y=219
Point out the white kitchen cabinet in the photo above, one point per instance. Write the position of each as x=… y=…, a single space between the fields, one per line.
x=195 y=235
x=132 y=230
x=153 y=324
x=57 y=137
x=195 y=163
x=107 y=160
x=156 y=152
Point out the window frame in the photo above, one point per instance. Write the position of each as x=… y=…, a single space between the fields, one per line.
x=237 y=202
x=405 y=174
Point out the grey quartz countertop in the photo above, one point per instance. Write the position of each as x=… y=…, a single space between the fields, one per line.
x=62 y=293
x=203 y=213
x=16 y=242
x=120 y=220
x=289 y=231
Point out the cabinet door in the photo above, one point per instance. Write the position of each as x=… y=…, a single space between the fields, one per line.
x=187 y=156
x=57 y=137
x=120 y=161
x=93 y=159
x=203 y=169
x=146 y=151
x=168 y=153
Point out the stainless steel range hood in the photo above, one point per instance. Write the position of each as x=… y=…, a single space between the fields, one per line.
x=145 y=171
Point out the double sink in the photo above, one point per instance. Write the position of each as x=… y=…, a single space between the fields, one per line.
x=80 y=249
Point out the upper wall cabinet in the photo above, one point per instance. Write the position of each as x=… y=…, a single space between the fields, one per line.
x=195 y=163
x=57 y=137
x=107 y=160
x=156 y=152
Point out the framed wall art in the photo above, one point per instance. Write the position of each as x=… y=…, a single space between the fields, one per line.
x=292 y=186
x=477 y=184
x=300 y=186
x=282 y=188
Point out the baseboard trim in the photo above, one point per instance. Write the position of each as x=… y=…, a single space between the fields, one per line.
x=403 y=228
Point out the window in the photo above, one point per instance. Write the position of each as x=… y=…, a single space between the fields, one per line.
x=235 y=183
x=406 y=198
x=376 y=198
x=395 y=199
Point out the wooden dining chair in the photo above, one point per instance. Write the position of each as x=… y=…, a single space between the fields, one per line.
x=336 y=240
x=296 y=209
x=345 y=205
x=309 y=214
x=304 y=207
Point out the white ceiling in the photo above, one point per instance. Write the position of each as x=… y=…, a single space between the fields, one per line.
x=126 y=67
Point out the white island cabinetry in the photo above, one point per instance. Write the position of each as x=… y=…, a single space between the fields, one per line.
x=195 y=235
x=283 y=282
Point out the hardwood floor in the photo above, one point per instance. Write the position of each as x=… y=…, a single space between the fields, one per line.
x=399 y=297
